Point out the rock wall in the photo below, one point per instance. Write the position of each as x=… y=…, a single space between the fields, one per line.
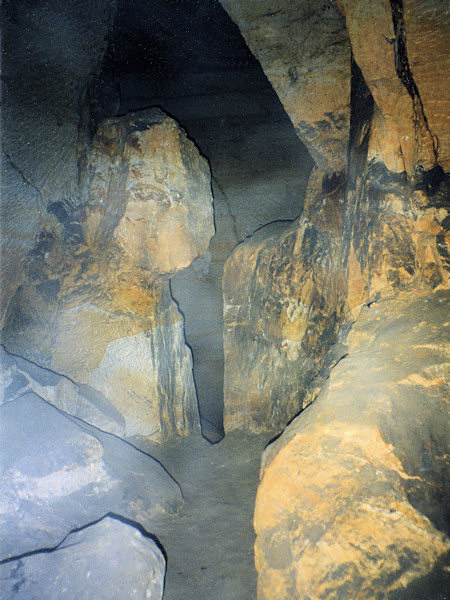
x=350 y=504
x=283 y=303
x=305 y=53
x=49 y=51
x=355 y=486
x=96 y=305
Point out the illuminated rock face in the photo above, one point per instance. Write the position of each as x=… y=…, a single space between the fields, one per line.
x=59 y=475
x=282 y=308
x=96 y=304
x=401 y=49
x=350 y=502
x=351 y=496
x=150 y=190
x=107 y=559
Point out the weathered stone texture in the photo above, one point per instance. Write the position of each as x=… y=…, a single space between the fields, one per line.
x=148 y=187
x=58 y=474
x=350 y=503
x=49 y=50
x=305 y=52
x=401 y=49
x=283 y=300
x=108 y=559
x=96 y=304
x=427 y=31
x=393 y=233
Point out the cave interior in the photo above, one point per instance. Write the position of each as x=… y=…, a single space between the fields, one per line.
x=224 y=299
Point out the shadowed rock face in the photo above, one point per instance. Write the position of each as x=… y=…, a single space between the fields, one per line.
x=49 y=51
x=305 y=52
x=96 y=305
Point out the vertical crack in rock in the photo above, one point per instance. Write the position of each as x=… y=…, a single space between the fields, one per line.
x=405 y=75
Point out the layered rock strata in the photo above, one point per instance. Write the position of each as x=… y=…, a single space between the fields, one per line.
x=96 y=304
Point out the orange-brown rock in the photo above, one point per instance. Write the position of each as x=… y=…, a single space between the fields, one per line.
x=149 y=189
x=305 y=53
x=427 y=30
x=283 y=299
x=350 y=502
x=401 y=49
x=96 y=305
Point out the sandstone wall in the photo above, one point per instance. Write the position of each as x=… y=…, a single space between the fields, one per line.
x=305 y=53
x=352 y=496
x=283 y=303
x=49 y=51
x=350 y=503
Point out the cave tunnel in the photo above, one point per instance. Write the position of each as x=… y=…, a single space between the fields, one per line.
x=223 y=300
x=190 y=59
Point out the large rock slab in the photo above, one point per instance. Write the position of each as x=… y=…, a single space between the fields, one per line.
x=58 y=474
x=351 y=502
x=284 y=292
x=305 y=52
x=96 y=303
x=401 y=51
x=20 y=376
x=109 y=559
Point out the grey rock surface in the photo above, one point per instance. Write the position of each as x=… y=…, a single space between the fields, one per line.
x=109 y=559
x=58 y=475
x=49 y=50
x=20 y=376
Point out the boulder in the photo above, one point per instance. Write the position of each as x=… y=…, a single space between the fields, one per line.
x=284 y=291
x=96 y=305
x=148 y=189
x=108 y=559
x=20 y=376
x=58 y=474
x=351 y=498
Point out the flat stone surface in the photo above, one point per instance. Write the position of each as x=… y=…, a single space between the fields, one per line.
x=109 y=559
x=58 y=475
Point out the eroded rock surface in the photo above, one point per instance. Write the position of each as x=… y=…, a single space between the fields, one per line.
x=96 y=304
x=109 y=559
x=351 y=498
x=392 y=42
x=49 y=51
x=59 y=474
x=283 y=299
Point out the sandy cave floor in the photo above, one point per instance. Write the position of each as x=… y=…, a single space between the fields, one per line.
x=209 y=545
